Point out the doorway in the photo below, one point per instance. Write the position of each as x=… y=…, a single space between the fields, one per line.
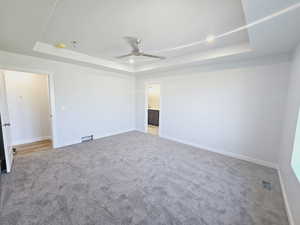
x=153 y=108
x=29 y=111
x=6 y=153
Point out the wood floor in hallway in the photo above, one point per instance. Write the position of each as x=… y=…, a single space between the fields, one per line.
x=43 y=145
x=153 y=130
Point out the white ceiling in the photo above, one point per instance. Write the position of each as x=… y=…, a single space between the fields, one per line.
x=32 y=27
x=100 y=25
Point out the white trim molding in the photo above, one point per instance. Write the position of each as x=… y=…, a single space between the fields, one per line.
x=146 y=87
x=74 y=142
x=9 y=160
x=226 y=153
x=77 y=56
x=248 y=159
x=285 y=198
x=51 y=94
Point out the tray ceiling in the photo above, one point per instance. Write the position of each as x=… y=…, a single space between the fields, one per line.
x=166 y=28
x=99 y=26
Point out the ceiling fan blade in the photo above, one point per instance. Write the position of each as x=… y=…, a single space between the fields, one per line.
x=133 y=42
x=124 y=56
x=152 y=56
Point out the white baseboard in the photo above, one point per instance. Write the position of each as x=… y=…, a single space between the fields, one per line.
x=249 y=159
x=140 y=130
x=30 y=140
x=285 y=198
x=246 y=158
x=114 y=133
x=205 y=148
x=77 y=141
x=226 y=153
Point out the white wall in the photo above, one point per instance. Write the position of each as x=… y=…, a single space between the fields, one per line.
x=236 y=109
x=289 y=179
x=28 y=105
x=87 y=101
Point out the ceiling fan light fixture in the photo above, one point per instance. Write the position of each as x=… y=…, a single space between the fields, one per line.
x=134 y=44
x=210 y=38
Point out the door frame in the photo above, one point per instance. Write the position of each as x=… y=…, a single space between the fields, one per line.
x=147 y=85
x=51 y=94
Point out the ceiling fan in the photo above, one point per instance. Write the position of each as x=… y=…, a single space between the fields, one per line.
x=134 y=43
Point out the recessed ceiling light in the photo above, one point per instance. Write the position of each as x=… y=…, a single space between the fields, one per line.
x=60 y=45
x=131 y=61
x=210 y=38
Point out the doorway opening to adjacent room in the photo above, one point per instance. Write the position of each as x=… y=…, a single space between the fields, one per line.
x=29 y=111
x=153 y=103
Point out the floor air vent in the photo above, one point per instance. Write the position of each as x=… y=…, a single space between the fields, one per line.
x=267 y=185
x=87 y=138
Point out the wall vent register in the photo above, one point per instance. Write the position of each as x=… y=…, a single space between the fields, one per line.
x=87 y=138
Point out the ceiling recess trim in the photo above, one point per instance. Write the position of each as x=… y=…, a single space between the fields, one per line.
x=69 y=54
x=80 y=57
x=202 y=57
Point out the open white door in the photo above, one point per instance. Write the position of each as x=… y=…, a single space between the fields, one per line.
x=5 y=124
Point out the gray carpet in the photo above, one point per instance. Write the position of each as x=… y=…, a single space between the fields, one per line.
x=137 y=178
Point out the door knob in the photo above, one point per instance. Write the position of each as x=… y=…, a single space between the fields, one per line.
x=6 y=124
